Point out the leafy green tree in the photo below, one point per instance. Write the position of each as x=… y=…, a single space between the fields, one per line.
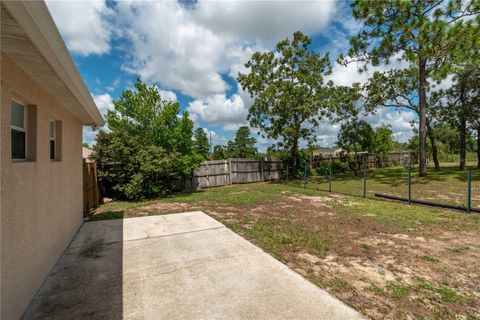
x=448 y=136
x=355 y=136
x=382 y=142
x=201 y=144
x=424 y=33
x=290 y=93
x=86 y=145
x=219 y=153
x=230 y=151
x=146 y=151
x=244 y=143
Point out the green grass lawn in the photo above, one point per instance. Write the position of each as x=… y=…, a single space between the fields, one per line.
x=448 y=186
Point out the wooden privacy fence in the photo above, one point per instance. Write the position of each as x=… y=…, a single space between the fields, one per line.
x=91 y=190
x=363 y=160
x=232 y=171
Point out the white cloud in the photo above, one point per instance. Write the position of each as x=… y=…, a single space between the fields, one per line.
x=83 y=25
x=347 y=75
x=218 y=108
x=104 y=103
x=233 y=126
x=167 y=95
x=263 y=21
x=189 y=47
x=399 y=120
x=89 y=135
x=326 y=133
x=114 y=85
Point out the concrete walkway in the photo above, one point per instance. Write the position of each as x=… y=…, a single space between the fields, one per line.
x=177 y=266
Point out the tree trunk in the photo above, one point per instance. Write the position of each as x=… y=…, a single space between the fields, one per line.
x=422 y=114
x=478 y=147
x=433 y=142
x=294 y=156
x=463 y=127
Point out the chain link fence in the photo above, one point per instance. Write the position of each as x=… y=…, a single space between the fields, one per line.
x=447 y=188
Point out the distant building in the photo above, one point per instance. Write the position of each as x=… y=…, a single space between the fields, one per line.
x=86 y=155
x=328 y=152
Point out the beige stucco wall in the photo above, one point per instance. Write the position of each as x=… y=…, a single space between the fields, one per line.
x=41 y=201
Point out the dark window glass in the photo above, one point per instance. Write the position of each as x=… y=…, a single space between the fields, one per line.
x=52 y=149
x=18 y=144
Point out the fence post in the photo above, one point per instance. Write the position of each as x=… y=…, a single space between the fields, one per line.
x=469 y=191
x=208 y=178
x=409 y=185
x=286 y=175
x=261 y=170
x=305 y=178
x=364 y=183
x=330 y=177
x=230 y=171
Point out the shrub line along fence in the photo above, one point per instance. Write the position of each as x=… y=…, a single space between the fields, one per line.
x=470 y=189
x=217 y=173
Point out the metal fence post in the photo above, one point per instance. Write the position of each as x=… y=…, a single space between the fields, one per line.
x=305 y=178
x=330 y=177
x=364 y=183
x=409 y=185
x=469 y=191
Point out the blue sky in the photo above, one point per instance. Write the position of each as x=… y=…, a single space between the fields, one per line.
x=193 y=50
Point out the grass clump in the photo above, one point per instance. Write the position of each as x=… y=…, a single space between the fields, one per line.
x=276 y=235
x=365 y=246
x=399 y=291
x=377 y=290
x=460 y=249
x=444 y=293
x=337 y=284
x=429 y=259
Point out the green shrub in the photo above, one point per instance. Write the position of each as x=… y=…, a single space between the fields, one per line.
x=147 y=152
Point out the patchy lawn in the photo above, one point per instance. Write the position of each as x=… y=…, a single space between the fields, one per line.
x=386 y=259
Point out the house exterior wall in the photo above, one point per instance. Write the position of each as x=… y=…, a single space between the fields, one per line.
x=41 y=200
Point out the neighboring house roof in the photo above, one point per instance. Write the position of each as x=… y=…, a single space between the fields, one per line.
x=86 y=153
x=327 y=151
x=31 y=39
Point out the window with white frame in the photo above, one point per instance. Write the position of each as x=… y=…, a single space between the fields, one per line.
x=53 y=140
x=19 y=130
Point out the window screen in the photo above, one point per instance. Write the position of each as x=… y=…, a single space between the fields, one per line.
x=52 y=141
x=18 y=115
x=18 y=131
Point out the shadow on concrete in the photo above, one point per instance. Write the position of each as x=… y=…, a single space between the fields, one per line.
x=87 y=281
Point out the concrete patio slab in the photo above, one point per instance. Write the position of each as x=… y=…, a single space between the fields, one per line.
x=178 y=266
